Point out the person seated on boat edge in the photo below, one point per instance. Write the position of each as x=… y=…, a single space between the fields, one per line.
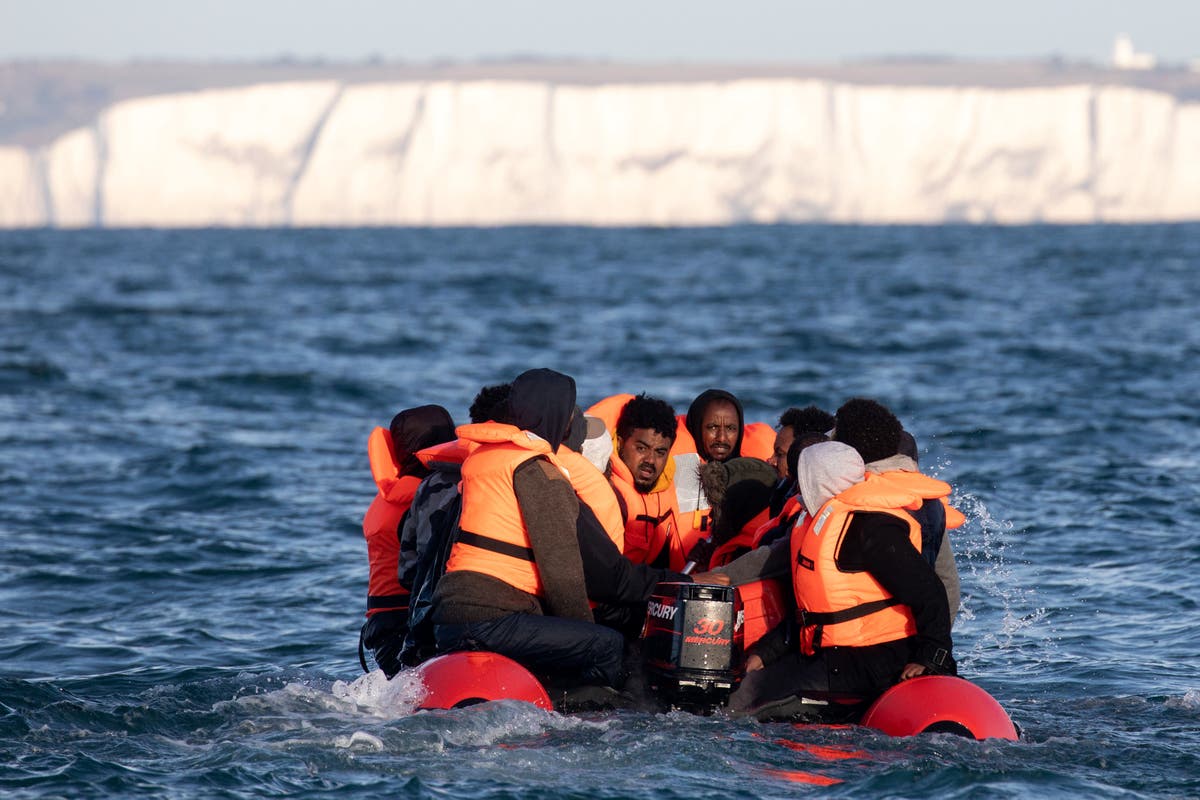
x=871 y=610
x=529 y=555
x=397 y=473
x=887 y=449
x=793 y=423
x=430 y=527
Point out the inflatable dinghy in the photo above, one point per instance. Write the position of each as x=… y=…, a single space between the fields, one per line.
x=692 y=647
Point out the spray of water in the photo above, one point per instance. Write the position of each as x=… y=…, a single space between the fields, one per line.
x=374 y=694
x=998 y=614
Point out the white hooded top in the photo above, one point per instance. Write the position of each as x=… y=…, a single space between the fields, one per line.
x=827 y=469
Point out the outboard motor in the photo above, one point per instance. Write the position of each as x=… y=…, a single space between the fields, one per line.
x=693 y=644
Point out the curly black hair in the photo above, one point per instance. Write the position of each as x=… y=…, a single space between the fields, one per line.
x=809 y=419
x=647 y=412
x=491 y=404
x=869 y=427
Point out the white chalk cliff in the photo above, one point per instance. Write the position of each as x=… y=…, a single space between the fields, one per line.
x=501 y=152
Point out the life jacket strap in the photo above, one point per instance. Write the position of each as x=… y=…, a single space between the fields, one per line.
x=819 y=619
x=495 y=545
x=651 y=519
x=378 y=602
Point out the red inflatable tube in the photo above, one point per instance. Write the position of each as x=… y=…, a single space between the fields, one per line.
x=463 y=679
x=939 y=703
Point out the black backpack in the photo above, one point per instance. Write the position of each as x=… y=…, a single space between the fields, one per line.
x=932 y=518
x=434 y=514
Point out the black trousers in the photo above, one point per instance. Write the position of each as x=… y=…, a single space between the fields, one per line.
x=555 y=649
x=840 y=677
x=383 y=634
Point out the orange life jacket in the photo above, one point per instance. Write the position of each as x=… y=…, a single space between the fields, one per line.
x=742 y=542
x=684 y=443
x=492 y=538
x=651 y=525
x=851 y=609
x=452 y=452
x=765 y=604
x=927 y=488
x=648 y=522
x=954 y=517
x=609 y=410
x=758 y=440
x=592 y=488
x=793 y=507
x=381 y=525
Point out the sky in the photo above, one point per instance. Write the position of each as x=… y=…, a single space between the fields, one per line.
x=654 y=31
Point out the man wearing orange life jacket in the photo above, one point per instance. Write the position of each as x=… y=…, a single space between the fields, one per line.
x=872 y=430
x=529 y=555
x=887 y=449
x=712 y=431
x=642 y=474
x=793 y=423
x=397 y=473
x=871 y=609
x=798 y=428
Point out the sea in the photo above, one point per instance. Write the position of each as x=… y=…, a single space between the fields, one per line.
x=183 y=473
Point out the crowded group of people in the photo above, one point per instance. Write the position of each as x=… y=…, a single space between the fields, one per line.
x=539 y=531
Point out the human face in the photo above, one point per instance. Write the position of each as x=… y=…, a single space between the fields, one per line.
x=719 y=428
x=645 y=452
x=778 y=459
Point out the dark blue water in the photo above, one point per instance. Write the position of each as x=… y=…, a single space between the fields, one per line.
x=184 y=415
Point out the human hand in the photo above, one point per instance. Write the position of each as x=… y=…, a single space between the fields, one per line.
x=719 y=578
x=753 y=663
x=912 y=671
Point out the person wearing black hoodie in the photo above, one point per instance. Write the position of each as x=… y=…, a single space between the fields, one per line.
x=716 y=423
x=554 y=547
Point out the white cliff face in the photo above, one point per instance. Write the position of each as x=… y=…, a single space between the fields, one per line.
x=492 y=152
x=226 y=157
x=1147 y=163
x=22 y=199
x=72 y=170
x=961 y=154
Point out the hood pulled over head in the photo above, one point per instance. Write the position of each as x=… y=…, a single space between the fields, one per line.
x=415 y=429
x=542 y=401
x=825 y=470
x=694 y=422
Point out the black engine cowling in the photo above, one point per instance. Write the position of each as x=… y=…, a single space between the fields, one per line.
x=692 y=643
